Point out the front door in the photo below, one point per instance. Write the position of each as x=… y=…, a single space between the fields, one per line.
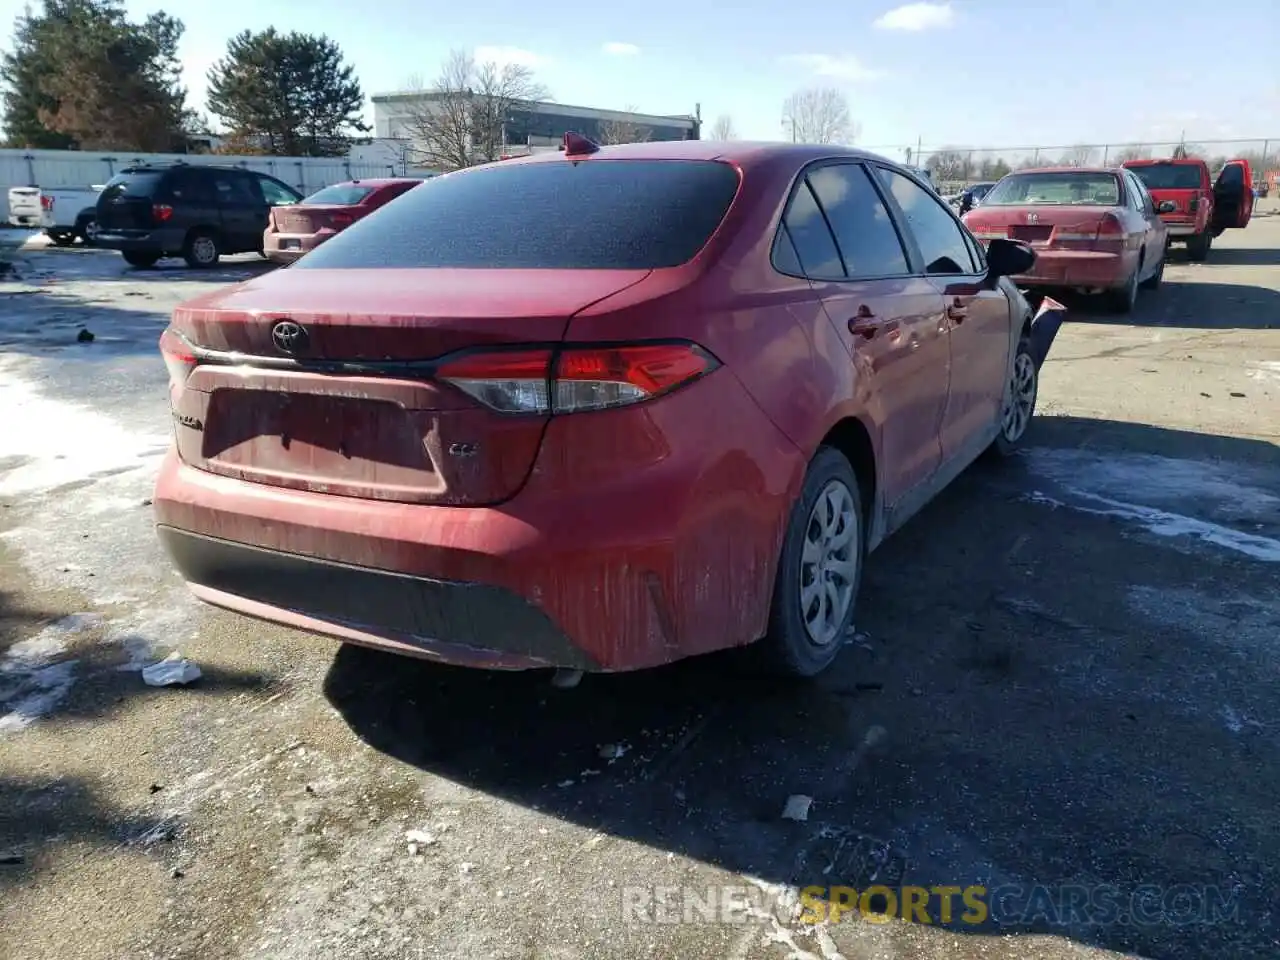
x=890 y=321
x=1232 y=197
x=975 y=318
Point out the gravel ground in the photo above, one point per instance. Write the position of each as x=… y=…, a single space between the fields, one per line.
x=1063 y=691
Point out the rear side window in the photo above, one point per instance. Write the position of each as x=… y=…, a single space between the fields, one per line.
x=134 y=184
x=555 y=215
x=340 y=195
x=940 y=238
x=868 y=240
x=1169 y=176
x=192 y=186
x=235 y=189
x=814 y=245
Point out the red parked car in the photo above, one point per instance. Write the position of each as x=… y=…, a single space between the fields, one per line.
x=1194 y=206
x=1094 y=229
x=617 y=406
x=297 y=228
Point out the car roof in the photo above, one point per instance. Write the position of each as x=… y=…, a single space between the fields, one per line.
x=1111 y=170
x=743 y=152
x=1149 y=161
x=374 y=182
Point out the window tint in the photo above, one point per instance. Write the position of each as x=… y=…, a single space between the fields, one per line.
x=1232 y=175
x=550 y=215
x=785 y=257
x=277 y=194
x=939 y=237
x=192 y=186
x=868 y=240
x=235 y=189
x=1169 y=176
x=1138 y=195
x=133 y=184
x=815 y=247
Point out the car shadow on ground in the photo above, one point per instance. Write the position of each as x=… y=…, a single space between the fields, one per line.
x=1192 y=304
x=1243 y=257
x=1003 y=718
x=92 y=263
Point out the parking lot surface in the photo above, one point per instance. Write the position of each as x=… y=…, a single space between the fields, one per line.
x=1063 y=690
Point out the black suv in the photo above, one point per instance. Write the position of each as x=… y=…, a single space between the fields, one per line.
x=196 y=212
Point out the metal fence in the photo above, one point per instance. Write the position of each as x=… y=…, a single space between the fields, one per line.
x=76 y=168
x=956 y=166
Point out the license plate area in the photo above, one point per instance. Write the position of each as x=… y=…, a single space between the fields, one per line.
x=275 y=436
x=290 y=244
x=1031 y=233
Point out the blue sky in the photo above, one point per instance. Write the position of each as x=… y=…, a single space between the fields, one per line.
x=971 y=72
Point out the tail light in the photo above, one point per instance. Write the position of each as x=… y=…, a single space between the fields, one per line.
x=46 y=202
x=179 y=357
x=576 y=378
x=161 y=212
x=1110 y=228
x=341 y=219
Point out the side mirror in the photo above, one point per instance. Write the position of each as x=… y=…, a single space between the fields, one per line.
x=1166 y=206
x=1009 y=258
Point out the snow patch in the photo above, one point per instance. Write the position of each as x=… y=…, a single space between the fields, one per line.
x=58 y=443
x=31 y=684
x=1107 y=485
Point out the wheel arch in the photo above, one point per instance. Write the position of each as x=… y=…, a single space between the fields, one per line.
x=852 y=438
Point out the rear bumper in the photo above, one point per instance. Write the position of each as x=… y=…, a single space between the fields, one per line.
x=1078 y=268
x=1181 y=229
x=287 y=247
x=472 y=623
x=617 y=554
x=161 y=240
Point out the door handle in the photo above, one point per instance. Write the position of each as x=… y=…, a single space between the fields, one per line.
x=957 y=312
x=867 y=325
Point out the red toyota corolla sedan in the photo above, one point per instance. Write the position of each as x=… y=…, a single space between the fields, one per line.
x=298 y=228
x=594 y=410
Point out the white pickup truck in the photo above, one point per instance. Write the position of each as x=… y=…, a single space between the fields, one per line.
x=64 y=212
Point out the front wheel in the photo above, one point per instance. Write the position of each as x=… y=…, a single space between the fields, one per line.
x=1019 y=401
x=816 y=585
x=136 y=258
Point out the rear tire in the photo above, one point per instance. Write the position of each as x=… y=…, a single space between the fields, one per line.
x=1019 y=405
x=1153 y=282
x=136 y=258
x=1126 y=298
x=819 y=570
x=202 y=249
x=1198 y=246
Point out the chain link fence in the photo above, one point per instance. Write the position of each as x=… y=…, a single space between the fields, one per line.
x=955 y=167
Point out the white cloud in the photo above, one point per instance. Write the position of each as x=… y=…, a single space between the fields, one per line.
x=848 y=67
x=513 y=56
x=615 y=49
x=914 y=17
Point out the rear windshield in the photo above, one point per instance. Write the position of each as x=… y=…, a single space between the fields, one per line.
x=1169 y=176
x=134 y=183
x=1068 y=186
x=340 y=195
x=589 y=215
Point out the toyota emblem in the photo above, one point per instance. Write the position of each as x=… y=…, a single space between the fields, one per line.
x=290 y=337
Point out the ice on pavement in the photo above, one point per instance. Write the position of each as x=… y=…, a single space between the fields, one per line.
x=55 y=443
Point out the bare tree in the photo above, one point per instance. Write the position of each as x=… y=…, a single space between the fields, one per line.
x=948 y=165
x=623 y=131
x=1135 y=152
x=723 y=129
x=462 y=118
x=1078 y=156
x=818 y=115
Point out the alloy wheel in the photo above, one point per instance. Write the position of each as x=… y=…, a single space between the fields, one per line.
x=829 y=563
x=1022 y=398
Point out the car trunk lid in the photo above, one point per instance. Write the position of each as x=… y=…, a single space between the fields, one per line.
x=351 y=407
x=310 y=219
x=1044 y=226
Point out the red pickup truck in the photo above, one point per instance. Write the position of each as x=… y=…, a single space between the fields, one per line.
x=1194 y=206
